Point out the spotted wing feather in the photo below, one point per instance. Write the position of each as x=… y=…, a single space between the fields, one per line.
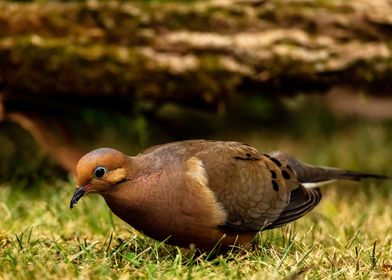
x=253 y=188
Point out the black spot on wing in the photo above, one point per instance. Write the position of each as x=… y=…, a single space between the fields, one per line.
x=289 y=168
x=285 y=174
x=277 y=162
x=275 y=186
x=247 y=156
x=273 y=174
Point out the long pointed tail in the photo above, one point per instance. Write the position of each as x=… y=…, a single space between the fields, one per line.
x=312 y=174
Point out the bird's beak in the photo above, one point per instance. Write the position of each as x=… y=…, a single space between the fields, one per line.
x=79 y=192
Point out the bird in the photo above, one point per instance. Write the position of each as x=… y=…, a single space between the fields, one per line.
x=204 y=193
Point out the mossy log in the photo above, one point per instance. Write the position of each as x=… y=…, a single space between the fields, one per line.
x=198 y=51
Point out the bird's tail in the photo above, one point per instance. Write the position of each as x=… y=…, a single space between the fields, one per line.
x=315 y=174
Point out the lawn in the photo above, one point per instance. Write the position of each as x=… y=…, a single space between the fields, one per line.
x=349 y=235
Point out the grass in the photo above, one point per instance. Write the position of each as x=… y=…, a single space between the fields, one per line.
x=348 y=236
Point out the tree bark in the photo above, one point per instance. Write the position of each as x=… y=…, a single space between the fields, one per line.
x=199 y=51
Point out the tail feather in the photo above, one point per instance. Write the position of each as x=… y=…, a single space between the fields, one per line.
x=354 y=175
x=312 y=174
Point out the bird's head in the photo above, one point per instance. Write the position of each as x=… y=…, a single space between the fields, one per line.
x=100 y=171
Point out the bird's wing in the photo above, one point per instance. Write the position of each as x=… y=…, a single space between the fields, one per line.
x=302 y=200
x=256 y=190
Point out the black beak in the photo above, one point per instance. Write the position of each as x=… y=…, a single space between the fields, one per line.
x=77 y=195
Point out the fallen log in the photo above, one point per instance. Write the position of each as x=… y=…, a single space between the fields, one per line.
x=199 y=51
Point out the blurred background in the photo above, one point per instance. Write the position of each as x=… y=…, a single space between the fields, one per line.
x=310 y=78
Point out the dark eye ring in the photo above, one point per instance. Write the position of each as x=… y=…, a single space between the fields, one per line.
x=99 y=172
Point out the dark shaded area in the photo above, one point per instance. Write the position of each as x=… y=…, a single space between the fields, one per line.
x=86 y=129
x=22 y=162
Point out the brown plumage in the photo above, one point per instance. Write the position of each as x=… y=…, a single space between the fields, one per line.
x=203 y=192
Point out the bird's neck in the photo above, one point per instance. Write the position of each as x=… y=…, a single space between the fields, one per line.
x=143 y=166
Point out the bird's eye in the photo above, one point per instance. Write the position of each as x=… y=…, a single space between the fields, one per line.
x=99 y=172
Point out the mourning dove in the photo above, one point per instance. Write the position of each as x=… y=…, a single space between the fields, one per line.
x=204 y=192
